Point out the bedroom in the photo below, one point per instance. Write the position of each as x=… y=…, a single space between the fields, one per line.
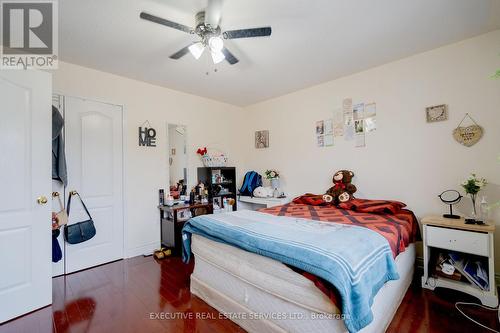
x=113 y=78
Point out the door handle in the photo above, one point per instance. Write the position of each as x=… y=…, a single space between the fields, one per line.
x=41 y=200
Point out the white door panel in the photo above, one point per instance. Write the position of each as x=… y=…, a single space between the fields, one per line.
x=25 y=174
x=94 y=156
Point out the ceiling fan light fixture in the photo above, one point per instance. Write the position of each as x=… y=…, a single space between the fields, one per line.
x=216 y=44
x=197 y=50
x=217 y=56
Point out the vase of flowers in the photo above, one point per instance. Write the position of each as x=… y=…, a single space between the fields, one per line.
x=472 y=186
x=274 y=177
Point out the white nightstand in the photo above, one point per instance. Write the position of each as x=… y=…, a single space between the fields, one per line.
x=254 y=203
x=455 y=235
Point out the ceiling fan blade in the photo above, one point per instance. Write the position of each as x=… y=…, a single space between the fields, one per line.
x=231 y=59
x=247 y=33
x=162 y=21
x=213 y=13
x=181 y=53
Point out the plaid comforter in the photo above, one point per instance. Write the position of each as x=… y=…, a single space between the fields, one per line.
x=400 y=230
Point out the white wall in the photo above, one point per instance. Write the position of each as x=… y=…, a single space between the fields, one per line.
x=146 y=168
x=406 y=158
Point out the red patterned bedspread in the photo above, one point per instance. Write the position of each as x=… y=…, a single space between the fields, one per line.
x=400 y=230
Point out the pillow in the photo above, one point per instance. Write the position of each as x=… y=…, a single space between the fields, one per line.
x=373 y=206
x=311 y=200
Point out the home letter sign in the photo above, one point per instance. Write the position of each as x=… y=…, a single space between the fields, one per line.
x=147 y=137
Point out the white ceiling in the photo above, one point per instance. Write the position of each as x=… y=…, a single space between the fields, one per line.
x=312 y=41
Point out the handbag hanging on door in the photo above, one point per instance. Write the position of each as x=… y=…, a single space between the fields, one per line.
x=82 y=231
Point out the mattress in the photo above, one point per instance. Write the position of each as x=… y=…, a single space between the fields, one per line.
x=264 y=295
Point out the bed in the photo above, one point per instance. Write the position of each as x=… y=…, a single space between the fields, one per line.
x=264 y=295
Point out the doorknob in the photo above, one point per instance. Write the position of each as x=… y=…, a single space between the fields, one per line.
x=42 y=200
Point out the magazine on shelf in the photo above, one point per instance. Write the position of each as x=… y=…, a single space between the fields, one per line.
x=473 y=270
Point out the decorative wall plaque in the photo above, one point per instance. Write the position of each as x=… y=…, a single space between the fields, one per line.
x=147 y=137
x=468 y=135
x=436 y=113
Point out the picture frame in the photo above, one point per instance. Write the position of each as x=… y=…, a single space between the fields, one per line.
x=436 y=113
x=320 y=127
x=262 y=139
x=217 y=201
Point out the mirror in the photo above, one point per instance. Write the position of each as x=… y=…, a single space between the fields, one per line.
x=450 y=197
x=177 y=160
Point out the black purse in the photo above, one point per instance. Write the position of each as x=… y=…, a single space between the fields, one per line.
x=82 y=231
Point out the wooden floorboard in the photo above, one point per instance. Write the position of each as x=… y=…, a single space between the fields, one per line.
x=125 y=296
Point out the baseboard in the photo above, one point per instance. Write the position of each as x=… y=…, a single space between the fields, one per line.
x=146 y=249
x=419 y=263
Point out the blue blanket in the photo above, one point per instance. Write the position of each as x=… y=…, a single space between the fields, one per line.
x=355 y=260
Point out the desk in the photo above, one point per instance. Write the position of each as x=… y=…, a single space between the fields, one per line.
x=171 y=225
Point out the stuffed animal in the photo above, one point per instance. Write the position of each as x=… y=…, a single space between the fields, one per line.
x=263 y=192
x=342 y=189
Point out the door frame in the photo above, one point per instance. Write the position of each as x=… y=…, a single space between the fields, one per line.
x=124 y=166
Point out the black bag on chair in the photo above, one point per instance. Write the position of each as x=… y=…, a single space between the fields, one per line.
x=82 y=231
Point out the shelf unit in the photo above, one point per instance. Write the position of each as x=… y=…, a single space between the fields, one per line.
x=228 y=184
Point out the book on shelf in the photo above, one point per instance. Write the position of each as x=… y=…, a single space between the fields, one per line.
x=473 y=270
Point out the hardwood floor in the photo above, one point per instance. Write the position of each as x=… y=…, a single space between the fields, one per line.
x=143 y=295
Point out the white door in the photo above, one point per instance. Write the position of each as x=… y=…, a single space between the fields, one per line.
x=25 y=175
x=95 y=169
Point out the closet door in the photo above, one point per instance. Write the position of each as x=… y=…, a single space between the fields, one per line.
x=95 y=170
x=25 y=178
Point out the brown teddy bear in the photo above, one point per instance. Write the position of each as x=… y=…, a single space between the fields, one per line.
x=342 y=189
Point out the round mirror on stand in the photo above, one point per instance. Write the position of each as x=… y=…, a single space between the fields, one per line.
x=450 y=197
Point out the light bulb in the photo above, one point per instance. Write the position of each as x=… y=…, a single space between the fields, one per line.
x=197 y=49
x=216 y=44
x=217 y=56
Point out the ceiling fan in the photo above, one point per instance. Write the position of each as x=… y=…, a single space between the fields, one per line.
x=208 y=29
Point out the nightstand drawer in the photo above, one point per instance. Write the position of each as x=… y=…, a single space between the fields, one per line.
x=458 y=240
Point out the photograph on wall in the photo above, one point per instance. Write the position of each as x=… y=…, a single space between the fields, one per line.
x=370 y=117
x=320 y=140
x=328 y=123
x=360 y=132
x=320 y=127
x=436 y=113
x=347 y=110
x=370 y=124
x=370 y=110
x=328 y=141
x=360 y=139
x=338 y=122
x=358 y=111
x=262 y=139
x=359 y=126
x=348 y=119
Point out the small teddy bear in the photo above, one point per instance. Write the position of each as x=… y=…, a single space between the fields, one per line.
x=342 y=189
